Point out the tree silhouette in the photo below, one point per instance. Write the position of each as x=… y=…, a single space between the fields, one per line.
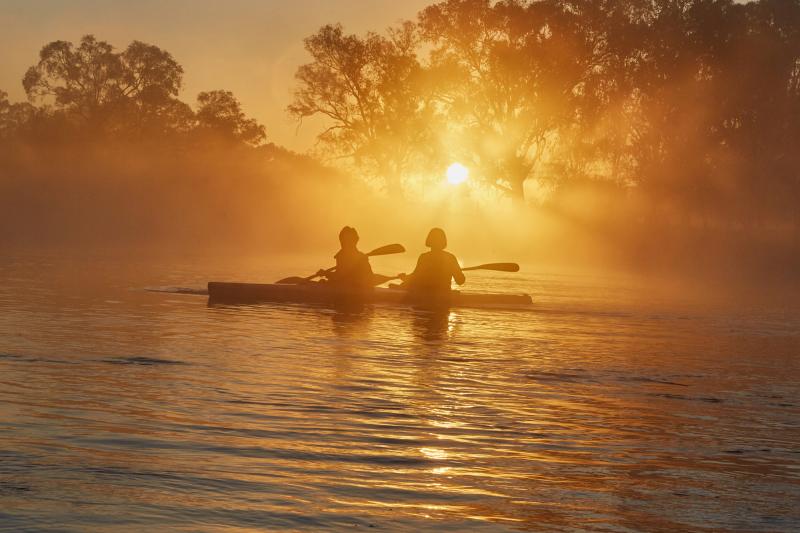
x=132 y=94
x=220 y=114
x=685 y=112
x=14 y=118
x=370 y=91
x=690 y=103
x=95 y=85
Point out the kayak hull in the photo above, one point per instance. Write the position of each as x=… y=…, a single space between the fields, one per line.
x=322 y=294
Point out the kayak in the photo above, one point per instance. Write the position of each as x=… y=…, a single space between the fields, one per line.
x=321 y=293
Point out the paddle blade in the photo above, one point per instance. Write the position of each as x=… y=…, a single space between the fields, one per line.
x=292 y=280
x=388 y=250
x=500 y=267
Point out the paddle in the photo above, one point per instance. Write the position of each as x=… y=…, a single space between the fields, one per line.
x=499 y=267
x=383 y=250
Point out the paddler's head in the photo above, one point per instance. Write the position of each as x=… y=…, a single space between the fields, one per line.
x=348 y=237
x=436 y=240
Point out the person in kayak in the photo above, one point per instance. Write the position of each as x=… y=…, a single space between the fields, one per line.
x=353 y=270
x=435 y=269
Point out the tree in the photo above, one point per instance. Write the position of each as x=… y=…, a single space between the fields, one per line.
x=220 y=114
x=13 y=117
x=709 y=122
x=98 y=87
x=151 y=82
x=372 y=94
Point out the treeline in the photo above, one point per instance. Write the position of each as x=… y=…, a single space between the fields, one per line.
x=91 y=91
x=688 y=110
x=105 y=151
x=641 y=123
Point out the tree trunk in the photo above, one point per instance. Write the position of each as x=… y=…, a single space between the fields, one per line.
x=518 y=191
x=517 y=171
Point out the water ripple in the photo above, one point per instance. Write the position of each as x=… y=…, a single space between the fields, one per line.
x=134 y=410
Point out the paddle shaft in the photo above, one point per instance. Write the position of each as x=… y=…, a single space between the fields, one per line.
x=499 y=267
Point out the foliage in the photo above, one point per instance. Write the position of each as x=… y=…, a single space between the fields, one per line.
x=693 y=104
x=219 y=113
x=674 y=112
x=369 y=88
x=91 y=90
x=13 y=117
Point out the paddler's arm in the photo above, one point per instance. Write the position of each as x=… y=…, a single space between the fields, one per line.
x=333 y=274
x=366 y=267
x=458 y=274
x=408 y=278
x=364 y=270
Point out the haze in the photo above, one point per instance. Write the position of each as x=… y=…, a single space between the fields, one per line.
x=648 y=134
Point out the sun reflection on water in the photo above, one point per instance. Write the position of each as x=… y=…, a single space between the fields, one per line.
x=434 y=453
x=287 y=416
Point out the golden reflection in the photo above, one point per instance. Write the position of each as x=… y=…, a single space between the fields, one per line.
x=507 y=424
x=447 y=424
x=434 y=453
x=400 y=505
x=497 y=518
x=435 y=325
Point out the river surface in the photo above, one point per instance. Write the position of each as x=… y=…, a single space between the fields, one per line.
x=607 y=406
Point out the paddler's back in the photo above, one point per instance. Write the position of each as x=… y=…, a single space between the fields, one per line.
x=434 y=272
x=352 y=269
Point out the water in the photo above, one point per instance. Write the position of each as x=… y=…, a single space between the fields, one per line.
x=608 y=406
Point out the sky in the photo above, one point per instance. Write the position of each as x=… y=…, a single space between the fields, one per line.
x=251 y=47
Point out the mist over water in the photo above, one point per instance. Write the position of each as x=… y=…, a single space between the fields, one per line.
x=265 y=200
x=606 y=405
x=651 y=137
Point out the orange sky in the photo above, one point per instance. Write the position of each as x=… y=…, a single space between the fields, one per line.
x=251 y=47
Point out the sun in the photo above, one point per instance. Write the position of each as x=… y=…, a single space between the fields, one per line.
x=457 y=173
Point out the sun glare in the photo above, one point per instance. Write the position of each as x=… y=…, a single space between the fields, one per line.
x=457 y=173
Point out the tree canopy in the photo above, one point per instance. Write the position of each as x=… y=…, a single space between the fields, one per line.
x=220 y=113
x=92 y=89
x=692 y=102
x=370 y=90
x=691 y=106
